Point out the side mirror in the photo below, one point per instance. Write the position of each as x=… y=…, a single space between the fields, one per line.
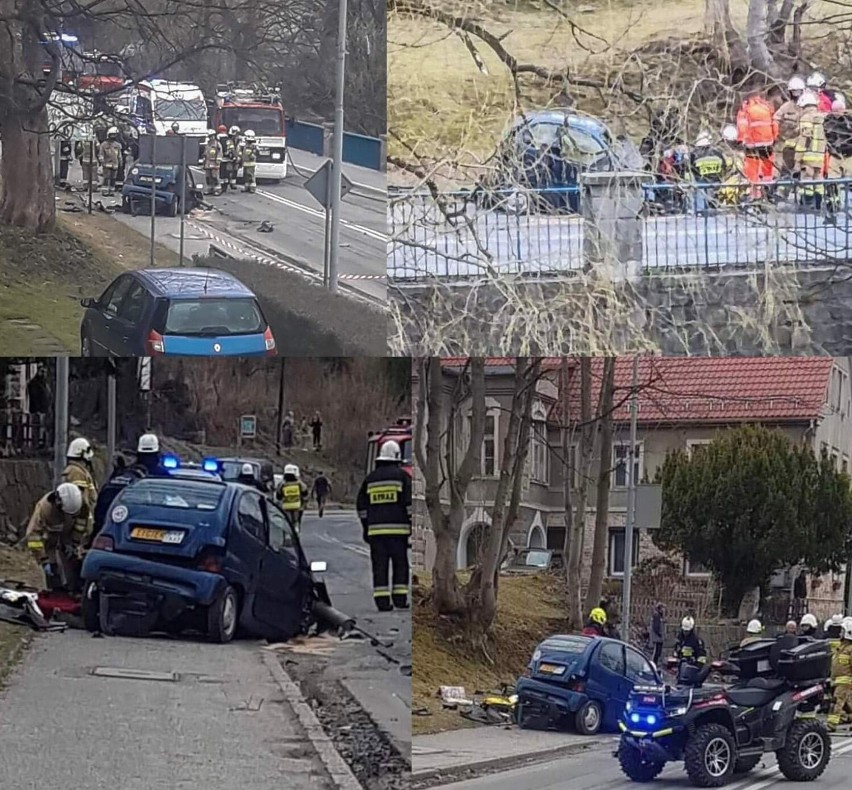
x=89 y=302
x=319 y=567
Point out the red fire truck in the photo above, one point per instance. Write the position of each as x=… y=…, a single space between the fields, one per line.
x=401 y=433
x=101 y=73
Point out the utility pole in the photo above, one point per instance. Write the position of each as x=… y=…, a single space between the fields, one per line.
x=337 y=153
x=60 y=410
x=154 y=197
x=280 y=421
x=111 y=418
x=631 y=504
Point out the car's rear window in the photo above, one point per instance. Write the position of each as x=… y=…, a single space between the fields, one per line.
x=184 y=494
x=564 y=644
x=211 y=316
x=231 y=469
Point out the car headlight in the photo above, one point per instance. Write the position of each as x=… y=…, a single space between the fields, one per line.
x=677 y=712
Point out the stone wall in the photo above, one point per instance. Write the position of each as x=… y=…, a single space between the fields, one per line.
x=22 y=484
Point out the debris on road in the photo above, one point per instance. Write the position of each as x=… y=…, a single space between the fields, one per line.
x=19 y=606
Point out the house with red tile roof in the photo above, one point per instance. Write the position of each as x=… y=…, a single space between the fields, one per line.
x=683 y=403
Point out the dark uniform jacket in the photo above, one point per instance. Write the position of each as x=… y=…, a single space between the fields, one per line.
x=690 y=647
x=384 y=502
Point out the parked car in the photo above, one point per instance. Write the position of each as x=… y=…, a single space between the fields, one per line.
x=190 y=312
x=581 y=680
x=179 y=554
x=166 y=181
x=530 y=561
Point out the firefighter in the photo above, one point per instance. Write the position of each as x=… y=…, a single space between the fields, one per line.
x=65 y=156
x=128 y=136
x=810 y=151
x=78 y=470
x=49 y=536
x=248 y=161
x=787 y=117
x=596 y=624
x=757 y=132
x=707 y=165
x=87 y=155
x=384 y=507
x=109 y=155
x=246 y=476
x=100 y=126
x=841 y=676
x=689 y=647
x=808 y=625
x=235 y=148
x=293 y=496
x=754 y=629
x=225 y=166
x=211 y=161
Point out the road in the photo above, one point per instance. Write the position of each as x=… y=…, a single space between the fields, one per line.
x=425 y=243
x=599 y=770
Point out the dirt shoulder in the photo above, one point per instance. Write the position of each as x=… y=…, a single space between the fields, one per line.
x=15 y=565
x=528 y=610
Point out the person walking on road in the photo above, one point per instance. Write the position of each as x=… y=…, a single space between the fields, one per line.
x=658 y=631
x=316 y=430
x=321 y=489
x=49 y=537
x=293 y=496
x=384 y=508
x=78 y=471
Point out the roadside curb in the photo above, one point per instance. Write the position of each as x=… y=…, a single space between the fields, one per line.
x=340 y=773
x=455 y=773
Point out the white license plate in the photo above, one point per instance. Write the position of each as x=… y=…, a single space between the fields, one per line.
x=173 y=536
x=263 y=151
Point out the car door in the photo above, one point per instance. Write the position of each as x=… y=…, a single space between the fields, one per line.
x=246 y=544
x=607 y=682
x=278 y=605
x=134 y=316
x=104 y=314
x=638 y=670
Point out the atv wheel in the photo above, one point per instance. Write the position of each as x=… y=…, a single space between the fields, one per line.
x=222 y=616
x=710 y=756
x=807 y=751
x=91 y=608
x=634 y=767
x=746 y=764
x=588 y=719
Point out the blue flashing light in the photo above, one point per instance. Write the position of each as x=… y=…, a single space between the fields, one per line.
x=634 y=717
x=170 y=462
x=210 y=465
x=652 y=719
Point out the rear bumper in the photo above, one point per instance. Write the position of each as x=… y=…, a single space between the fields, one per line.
x=121 y=574
x=544 y=699
x=271 y=169
x=143 y=193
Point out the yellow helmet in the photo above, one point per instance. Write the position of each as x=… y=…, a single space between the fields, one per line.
x=598 y=615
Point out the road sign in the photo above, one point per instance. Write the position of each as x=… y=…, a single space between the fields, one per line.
x=248 y=426
x=318 y=183
x=169 y=149
x=649 y=506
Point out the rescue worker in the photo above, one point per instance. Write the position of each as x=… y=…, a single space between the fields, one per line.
x=293 y=495
x=173 y=129
x=808 y=626
x=689 y=647
x=817 y=83
x=838 y=140
x=100 y=126
x=841 y=677
x=227 y=154
x=754 y=629
x=757 y=132
x=248 y=161
x=787 y=117
x=596 y=624
x=707 y=165
x=810 y=151
x=49 y=537
x=78 y=470
x=211 y=161
x=87 y=155
x=384 y=508
x=127 y=136
x=65 y=156
x=109 y=156
x=246 y=476
x=236 y=149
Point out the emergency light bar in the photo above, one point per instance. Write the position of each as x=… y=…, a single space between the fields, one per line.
x=170 y=462
x=210 y=465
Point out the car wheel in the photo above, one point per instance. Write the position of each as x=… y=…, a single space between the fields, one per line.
x=710 y=756
x=588 y=719
x=91 y=608
x=746 y=764
x=807 y=751
x=223 y=616
x=635 y=766
x=173 y=208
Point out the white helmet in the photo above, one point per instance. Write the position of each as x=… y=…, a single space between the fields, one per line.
x=122 y=109
x=234 y=130
x=687 y=624
x=704 y=138
x=796 y=84
x=729 y=133
x=828 y=624
x=809 y=620
x=836 y=619
x=389 y=452
x=69 y=498
x=816 y=80
x=247 y=469
x=80 y=448
x=847 y=630
x=846 y=620
x=808 y=99
x=249 y=135
x=291 y=469
x=754 y=627
x=112 y=130
x=211 y=132
x=148 y=443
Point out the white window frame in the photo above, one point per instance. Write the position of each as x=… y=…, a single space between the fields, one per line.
x=694 y=574
x=837 y=389
x=640 y=462
x=495 y=415
x=540 y=453
x=691 y=444
x=613 y=532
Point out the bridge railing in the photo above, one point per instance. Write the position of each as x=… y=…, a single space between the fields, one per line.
x=540 y=232
x=358 y=149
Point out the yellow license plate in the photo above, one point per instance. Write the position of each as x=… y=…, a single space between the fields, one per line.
x=141 y=533
x=548 y=668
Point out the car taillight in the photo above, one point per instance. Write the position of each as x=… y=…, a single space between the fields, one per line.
x=270 y=342
x=210 y=562
x=155 y=344
x=103 y=542
x=579 y=686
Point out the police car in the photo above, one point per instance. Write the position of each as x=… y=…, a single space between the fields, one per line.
x=189 y=551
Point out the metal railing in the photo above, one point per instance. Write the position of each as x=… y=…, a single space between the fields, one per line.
x=686 y=225
x=23 y=434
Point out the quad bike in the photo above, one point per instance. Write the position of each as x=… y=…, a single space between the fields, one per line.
x=721 y=731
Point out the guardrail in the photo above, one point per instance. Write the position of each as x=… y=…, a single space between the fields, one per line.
x=472 y=233
x=358 y=149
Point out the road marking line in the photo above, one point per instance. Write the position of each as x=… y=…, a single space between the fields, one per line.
x=357 y=549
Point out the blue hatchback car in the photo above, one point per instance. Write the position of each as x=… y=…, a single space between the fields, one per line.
x=188 y=312
x=581 y=680
x=179 y=553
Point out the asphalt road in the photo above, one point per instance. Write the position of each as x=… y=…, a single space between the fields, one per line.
x=425 y=243
x=599 y=770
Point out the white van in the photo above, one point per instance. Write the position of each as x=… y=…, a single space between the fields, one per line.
x=179 y=102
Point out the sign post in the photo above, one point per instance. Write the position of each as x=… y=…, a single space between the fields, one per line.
x=320 y=185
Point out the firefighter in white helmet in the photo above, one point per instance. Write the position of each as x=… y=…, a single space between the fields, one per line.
x=384 y=507
x=78 y=470
x=787 y=117
x=109 y=155
x=293 y=495
x=808 y=625
x=234 y=149
x=754 y=629
x=49 y=537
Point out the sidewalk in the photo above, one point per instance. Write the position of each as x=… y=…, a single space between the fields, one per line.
x=362 y=177
x=480 y=748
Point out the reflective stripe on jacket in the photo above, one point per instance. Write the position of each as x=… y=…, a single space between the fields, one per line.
x=810 y=144
x=384 y=502
x=756 y=125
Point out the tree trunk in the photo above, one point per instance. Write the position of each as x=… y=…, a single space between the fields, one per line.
x=717 y=20
x=604 y=478
x=759 y=55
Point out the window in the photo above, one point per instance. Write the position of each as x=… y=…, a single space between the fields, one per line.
x=539 y=453
x=489 y=446
x=611 y=657
x=160 y=492
x=133 y=306
x=214 y=316
x=693 y=568
x=837 y=390
x=639 y=671
x=111 y=300
x=694 y=446
x=556 y=538
x=266 y=121
x=620 y=454
x=616 y=551
x=250 y=516
x=280 y=536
